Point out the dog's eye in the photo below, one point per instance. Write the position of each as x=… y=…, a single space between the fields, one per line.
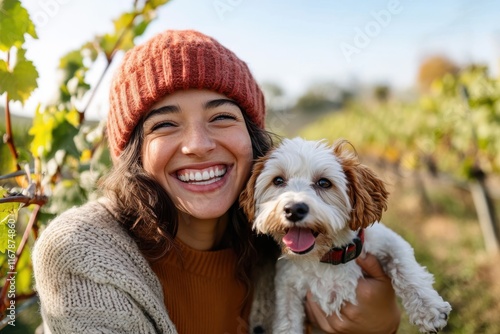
x=324 y=183
x=278 y=181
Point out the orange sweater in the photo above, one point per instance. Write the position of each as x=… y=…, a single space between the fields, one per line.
x=201 y=292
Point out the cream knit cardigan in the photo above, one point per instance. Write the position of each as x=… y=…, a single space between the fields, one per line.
x=92 y=278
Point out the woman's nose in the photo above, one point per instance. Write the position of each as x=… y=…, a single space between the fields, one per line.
x=197 y=141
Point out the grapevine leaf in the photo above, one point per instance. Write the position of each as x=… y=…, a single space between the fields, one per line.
x=54 y=130
x=123 y=36
x=140 y=28
x=14 y=23
x=123 y=22
x=24 y=275
x=153 y=4
x=4 y=230
x=21 y=81
x=41 y=131
x=8 y=213
x=7 y=162
x=73 y=117
x=70 y=63
x=5 y=76
x=63 y=136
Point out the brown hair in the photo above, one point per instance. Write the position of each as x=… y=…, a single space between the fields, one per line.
x=149 y=215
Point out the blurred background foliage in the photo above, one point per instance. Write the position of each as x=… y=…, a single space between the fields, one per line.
x=437 y=147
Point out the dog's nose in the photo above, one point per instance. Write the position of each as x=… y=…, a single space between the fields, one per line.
x=296 y=211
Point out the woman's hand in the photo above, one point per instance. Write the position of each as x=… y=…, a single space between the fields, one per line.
x=377 y=310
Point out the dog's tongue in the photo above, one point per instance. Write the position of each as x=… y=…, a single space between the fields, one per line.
x=299 y=239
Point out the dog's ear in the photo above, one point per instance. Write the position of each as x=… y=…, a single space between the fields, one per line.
x=247 y=198
x=367 y=192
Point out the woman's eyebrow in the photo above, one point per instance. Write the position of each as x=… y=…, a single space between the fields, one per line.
x=175 y=109
x=163 y=110
x=219 y=102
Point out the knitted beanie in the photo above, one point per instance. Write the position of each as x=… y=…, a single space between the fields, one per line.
x=171 y=61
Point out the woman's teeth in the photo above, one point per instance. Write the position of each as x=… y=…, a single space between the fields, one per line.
x=204 y=176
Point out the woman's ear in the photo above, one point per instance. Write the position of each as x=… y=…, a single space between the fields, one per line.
x=367 y=191
x=247 y=198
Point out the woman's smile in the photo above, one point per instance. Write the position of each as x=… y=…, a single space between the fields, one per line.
x=202 y=176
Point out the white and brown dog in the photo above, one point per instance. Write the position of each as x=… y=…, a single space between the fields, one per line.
x=319 y=203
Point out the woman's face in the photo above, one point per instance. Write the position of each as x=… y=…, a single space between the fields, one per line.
x=197 y=146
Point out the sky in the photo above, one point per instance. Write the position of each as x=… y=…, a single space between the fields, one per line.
x=293 y=43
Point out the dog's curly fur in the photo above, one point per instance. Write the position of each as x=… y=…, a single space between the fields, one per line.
x=335 y=196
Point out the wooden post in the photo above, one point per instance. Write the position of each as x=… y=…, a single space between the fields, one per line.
x=486 y=214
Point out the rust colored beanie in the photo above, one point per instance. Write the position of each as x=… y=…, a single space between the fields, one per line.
x=171 y=61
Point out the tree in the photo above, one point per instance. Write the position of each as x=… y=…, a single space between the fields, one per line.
x=381 y=93
x=433 y=68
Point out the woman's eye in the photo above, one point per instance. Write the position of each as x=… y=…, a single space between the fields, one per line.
x=162 y=125
x=324 y=183
x=221 y=117
x=278 y=181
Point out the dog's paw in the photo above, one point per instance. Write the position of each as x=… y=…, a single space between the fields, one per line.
x=431 y=318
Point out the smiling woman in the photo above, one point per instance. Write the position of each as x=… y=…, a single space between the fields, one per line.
x=167 y=248
x=188 y=136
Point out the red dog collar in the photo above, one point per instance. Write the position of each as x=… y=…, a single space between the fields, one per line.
x=338 y=255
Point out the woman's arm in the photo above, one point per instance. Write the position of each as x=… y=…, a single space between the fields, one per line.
x=377 y=311
x=91 y=277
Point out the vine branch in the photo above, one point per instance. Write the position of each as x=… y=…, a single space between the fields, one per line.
x=26 y=200
x=8 y=137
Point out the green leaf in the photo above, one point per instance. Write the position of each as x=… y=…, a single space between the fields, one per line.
x=140 y=28
x=19 y=82
x=123 y=36
x=63 y=136
x=109 y=42
x=72 y=59
x=125 y=21
x=8 y=219
x=7 y=162
x=43 y=124
x=70 y=63
x=4 y=230
x=73 y=117
x=14 y=24
x=153 y=4
x=24 y=277
x=54 y=130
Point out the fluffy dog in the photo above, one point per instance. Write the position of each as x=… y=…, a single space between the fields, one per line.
x=319 y=203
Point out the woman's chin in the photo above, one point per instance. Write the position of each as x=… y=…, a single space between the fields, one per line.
x=205 y=212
